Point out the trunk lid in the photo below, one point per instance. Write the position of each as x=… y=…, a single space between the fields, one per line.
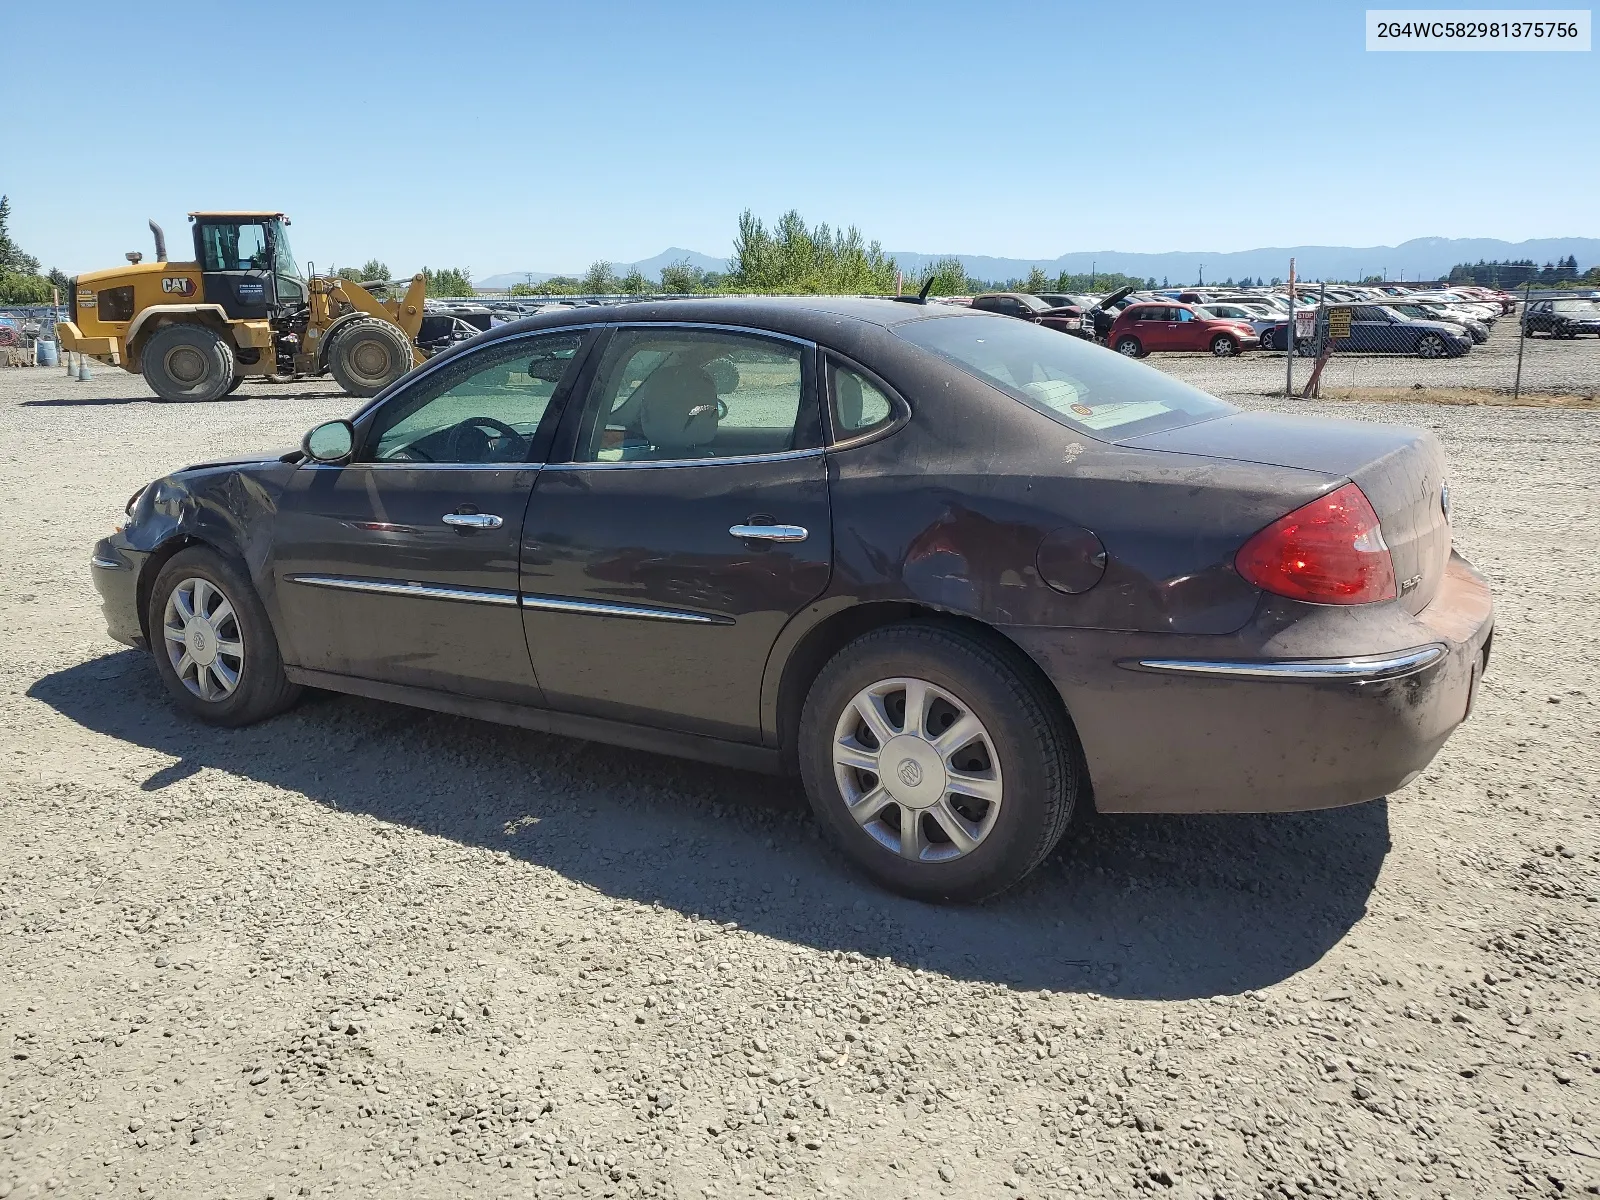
x=1400 y=469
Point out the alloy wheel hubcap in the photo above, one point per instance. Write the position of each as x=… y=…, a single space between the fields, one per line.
x=203 y=640
x=917 y=770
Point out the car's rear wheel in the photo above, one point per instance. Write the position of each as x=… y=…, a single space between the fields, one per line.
x=1431 y=345
x=214 y=647
x=937 y=763
x=1224 y=346
x=1130 y=347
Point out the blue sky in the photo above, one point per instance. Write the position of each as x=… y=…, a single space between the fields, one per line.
x=543 y=135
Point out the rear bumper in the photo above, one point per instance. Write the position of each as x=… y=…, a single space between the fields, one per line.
x=115 y=568
x=1186 y=724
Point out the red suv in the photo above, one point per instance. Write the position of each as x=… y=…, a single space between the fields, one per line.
x=1146 y=328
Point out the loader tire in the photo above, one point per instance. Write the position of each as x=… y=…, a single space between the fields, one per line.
x=368 y=355
x=188 y=362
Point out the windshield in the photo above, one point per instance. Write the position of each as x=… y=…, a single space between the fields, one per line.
x=1086 y=388
x=287 y=268
x=291 y=286
x=1577 y=308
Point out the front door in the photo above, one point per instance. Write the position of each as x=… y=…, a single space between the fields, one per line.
x=236 y=267
x=402 y=566
x=660 y=563
x=1187 y=331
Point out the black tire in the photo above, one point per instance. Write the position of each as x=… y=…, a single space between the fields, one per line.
x=261 y=690
x=367 y=355
x=187 y=362
x=1223 y=346
x=1039 y=760
x=1130 y=347
x=234 y=386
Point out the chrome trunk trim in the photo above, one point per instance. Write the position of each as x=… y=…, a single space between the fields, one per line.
x=1349 y=670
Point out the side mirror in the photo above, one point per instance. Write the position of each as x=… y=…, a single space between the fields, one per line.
x=330 y=442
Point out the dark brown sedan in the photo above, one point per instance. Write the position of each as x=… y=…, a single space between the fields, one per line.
x=961 y=573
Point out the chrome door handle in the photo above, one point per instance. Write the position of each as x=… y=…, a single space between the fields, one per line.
x=770 y=533
x=473 y=520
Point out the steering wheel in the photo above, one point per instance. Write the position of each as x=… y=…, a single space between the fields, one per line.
x=456 y=443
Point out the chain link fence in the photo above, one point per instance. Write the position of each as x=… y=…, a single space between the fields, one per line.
x=1463 y=345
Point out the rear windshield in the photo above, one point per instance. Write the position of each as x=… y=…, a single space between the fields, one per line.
x=1086 y=388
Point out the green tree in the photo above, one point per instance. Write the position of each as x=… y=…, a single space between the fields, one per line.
x=18 y=288
x=949 y=279
x=1036 y=282
x=448 y=281
x=681 y=279
x=792 y=258
x=633 y=284
x=12 y=258
x=598 y=280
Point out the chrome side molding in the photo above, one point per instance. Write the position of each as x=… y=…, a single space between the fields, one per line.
x=430 y=591
x=1349 y=670
x=424 y=591
x=601 y=608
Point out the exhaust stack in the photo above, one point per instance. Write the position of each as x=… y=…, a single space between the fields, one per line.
x=161 y=242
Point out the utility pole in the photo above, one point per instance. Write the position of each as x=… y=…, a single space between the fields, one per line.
x=1288 y=341
x=1091 y=274
x=1202 y=282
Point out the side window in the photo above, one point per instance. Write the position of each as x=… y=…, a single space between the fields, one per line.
x=116 y=304
x=234 y=247
x=482 y=408
x=668 y=394
x=1182 y=314
x=858 y=403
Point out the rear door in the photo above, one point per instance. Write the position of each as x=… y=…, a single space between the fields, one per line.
x=402 y=566
x=1150 y=326
x=690 y=523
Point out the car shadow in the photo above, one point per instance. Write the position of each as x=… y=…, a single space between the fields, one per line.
x=107 y=401
x=1150 y=907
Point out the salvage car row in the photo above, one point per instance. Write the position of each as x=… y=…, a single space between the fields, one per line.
x=1226 y=321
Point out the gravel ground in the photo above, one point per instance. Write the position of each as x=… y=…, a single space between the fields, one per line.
x=365 y=950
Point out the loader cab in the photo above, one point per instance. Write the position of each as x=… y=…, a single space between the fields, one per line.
x=246 y=265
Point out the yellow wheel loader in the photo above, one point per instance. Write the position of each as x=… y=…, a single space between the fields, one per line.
x=196 y=330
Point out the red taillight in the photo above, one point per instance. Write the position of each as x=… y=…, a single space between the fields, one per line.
x=1330 y=551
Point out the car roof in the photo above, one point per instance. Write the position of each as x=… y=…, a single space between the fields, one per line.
x=844 y=323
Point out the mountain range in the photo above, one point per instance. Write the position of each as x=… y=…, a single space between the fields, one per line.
x=1419 y=258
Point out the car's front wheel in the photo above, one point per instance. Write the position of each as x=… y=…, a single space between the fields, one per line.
x=1431 y=345
x=1130 y=347
x=937 y=762
x=214 y=647
x=1224 y=346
